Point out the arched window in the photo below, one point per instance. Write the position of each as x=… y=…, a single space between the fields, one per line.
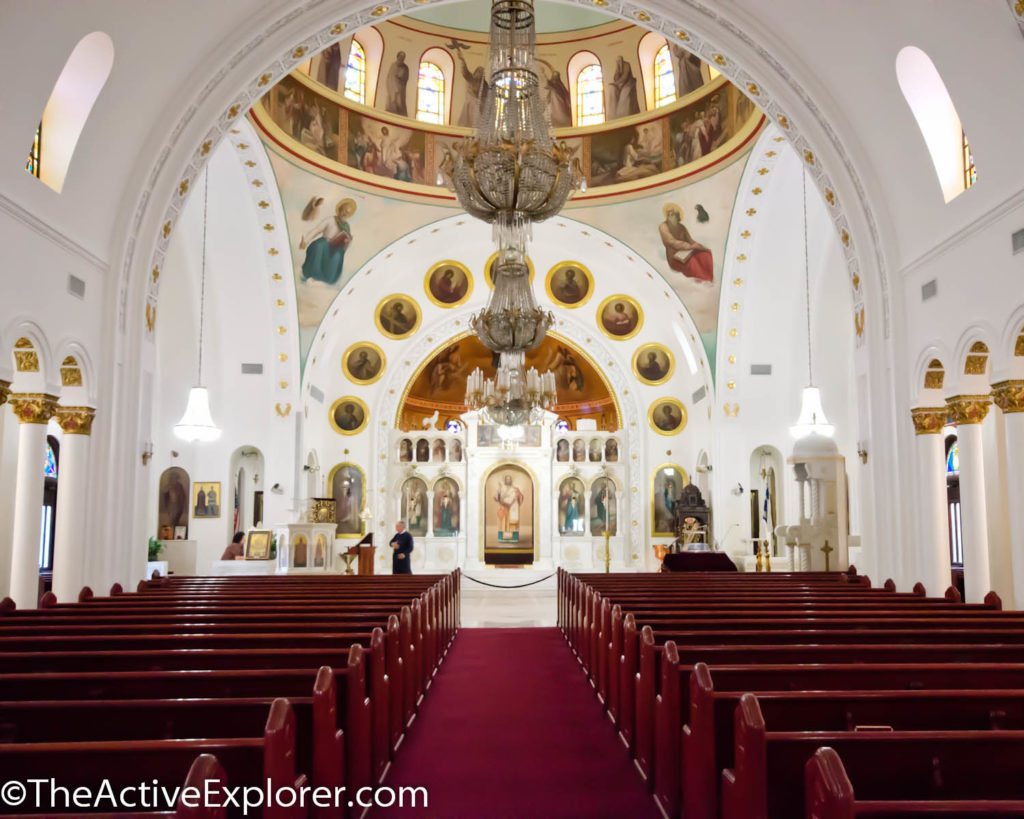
x=48 y=513
x=355 y=73
x=956 y=540
x=71 y=101
x=50 y=467
x=936 y=116
x=34 y=155
x=664 y=78
x=590 y=96
x=430 y=94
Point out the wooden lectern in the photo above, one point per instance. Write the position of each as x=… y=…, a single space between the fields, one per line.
x=365 y=551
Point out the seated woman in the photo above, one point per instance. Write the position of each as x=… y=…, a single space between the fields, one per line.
x=235 y=549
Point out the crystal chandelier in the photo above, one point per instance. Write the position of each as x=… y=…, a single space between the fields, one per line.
x=812 y=420
x=510 y=174
x=197 y=422
x=515 y=395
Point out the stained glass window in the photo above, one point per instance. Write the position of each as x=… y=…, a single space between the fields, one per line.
x=953 y=460
x=50 y=470
x=453 y=426
x=32 y=166
x=355 y=74
x=664 y=78
x=590 y=96
x=430 y=94
x=561 y=425
x=970 y=172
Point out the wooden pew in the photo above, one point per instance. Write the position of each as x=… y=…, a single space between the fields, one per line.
x=887 y=765
x=247 y=762
x=708 y=736
x=829 y=794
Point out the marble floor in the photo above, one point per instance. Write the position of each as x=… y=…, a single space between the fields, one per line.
x=489 y=607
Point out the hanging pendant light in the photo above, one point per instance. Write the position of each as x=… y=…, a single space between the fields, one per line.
x=812 y=420
x=197 y=422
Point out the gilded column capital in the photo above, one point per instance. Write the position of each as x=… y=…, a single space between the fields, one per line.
x=1009 y=395
x=968 y=409
x=928 y=420
x=5 y=390
x=75 y=420
x=33 y=408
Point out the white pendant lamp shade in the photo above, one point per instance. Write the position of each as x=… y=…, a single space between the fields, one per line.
x=197 y=422
x=812 y=416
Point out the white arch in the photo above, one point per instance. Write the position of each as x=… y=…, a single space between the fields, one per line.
x=48 y=377
x=787 y=93
x=936 y=116
x=936 y=350
x=71 y=101
x=74 y=348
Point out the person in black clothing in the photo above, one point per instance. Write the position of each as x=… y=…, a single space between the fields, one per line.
x=401 y=543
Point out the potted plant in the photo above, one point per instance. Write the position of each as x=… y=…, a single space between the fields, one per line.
x=155 y=566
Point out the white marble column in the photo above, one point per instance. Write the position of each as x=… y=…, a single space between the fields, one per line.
x=72 y=503
x=968 y=412
x=931 y=563
x=1009 y=397
x=33 y=411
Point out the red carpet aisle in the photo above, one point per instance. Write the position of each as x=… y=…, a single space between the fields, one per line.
x=512 y=728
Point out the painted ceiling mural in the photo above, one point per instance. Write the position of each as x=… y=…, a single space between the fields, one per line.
x=440 y=385
x=335 y=228
x=682 y=233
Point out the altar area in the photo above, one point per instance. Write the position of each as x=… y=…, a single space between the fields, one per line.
x=475 y=500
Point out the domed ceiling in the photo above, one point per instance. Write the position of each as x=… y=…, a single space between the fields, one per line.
x=475 y=15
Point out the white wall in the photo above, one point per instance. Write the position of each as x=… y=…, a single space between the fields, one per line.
x=239 y=327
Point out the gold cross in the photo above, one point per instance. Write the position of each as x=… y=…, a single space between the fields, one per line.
x=827 y=551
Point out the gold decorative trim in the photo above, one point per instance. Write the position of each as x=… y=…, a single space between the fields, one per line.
x=928 y=420
x=654 y=518
x=675 y=402
x=283 y=410
x=76 y=420
x=385 y=300
x=616 y=298
x=33 y=408
x=968 y=409
x=458 y=266
x=977 y=359
x=491 y=260
x=349 y=399
x=586 y=275
x=653 y=347
x=1019 y=347
x=26 y=360
x=5 y=391
x=366 y=492
x=935 y=375
x=1009 y=395
x=352 y=348
x=70 y=374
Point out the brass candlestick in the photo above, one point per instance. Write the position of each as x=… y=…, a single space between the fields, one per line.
x=347 y=558
x=607 y=551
